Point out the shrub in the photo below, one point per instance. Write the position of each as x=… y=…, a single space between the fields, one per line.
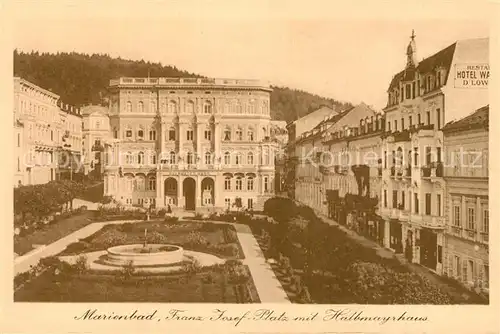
x=81 y=265
x=106 y=199
x=156 y=238
x=304 y=296
x=77 y=247
x=198 y=216
x=280 y=208
x=208 y=227
x=196 y=239
x=162 y=212
x=227 y=249
x=111 y=237
x=230 y=235
x=127 y=270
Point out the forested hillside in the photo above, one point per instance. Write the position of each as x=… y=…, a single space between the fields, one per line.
x=82 y=79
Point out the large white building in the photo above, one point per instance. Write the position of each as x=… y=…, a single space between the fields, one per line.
x=48 y=134
x=189 y=143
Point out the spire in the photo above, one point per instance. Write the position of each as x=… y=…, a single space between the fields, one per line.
x=411 y=51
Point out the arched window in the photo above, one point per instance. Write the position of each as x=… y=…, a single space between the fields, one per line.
x=140 y=134
x=251 y=107
x=238 y=159
x=152 y=107
x=172 y=158
x=227 y=183
x=250 y=183
x=239 y=134
x=250 y=135
x=130 y=184
x=226 y=108
x=140 y=158
x=227 y=134
x=129 y=106
x=172 y=107
x=152 y=134
x=266 y=184
x=239 y=183
x=152 y=183
x=207 y=107
x=128 y=158
x=171 y=134
x=140 y=183
x=152 y=158
x=208 y=158
x=227 y=158
x=189 y=107
x=140 y=107
x=189 y=158
x=250 y=158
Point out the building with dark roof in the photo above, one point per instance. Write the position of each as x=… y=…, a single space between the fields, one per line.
x=421 y=99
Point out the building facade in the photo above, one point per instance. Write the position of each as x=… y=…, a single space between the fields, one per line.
x=466 y=255
x=421 y=100
x=189 y=143
x=44 y=129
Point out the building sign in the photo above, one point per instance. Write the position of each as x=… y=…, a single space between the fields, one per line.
x=472 y=75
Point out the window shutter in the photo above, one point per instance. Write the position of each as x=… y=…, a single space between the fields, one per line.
x=464 y=271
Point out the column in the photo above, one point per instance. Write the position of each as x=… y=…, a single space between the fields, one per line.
x=197 y=192
x=160 y=194
x=180 y=196
x=463 y=213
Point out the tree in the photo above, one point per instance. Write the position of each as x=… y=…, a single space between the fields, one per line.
x=280 y=209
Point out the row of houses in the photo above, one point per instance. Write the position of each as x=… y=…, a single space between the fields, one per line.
x=414 y=177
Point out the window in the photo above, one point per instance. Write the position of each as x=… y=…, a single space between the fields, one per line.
x=250 y=183
x=396 y=126
x=250 y=158
x=227 y=183
x=389 y=126
x=250 y=135
x=238 y=159
x=227 y=134
x=152 y=183
x=152 y=106
x=408 y=91
x=227 y=202
x=139 y=185
x=172 y=158
x=385 y=159
x=410 y=121
x=189 y=134
x=471 y=219
x=140 y=158
x=402 y=124
x=415 y=197
x=172 y=107
x=239 y=183
x=403 y=199
x=208 y=158
x=456 y=216
x=140 y=107
x=129 y=106
x=438 y=204
x=189 y=158
x=415 y=154
x=419 y=119
x=207 y=108
x=227 y=158
x=153 y=158
x=171 y=134
x=385 y=198
x=438 y=114
x=152 y=135
x=394 y=198
x=19 y=139
x=428 y=204
x=470 y=270
x=266 y=184
x=438 y=151
x=413 y=89
x=140 y=134
x=208 y=135
x=18 y=164
x=250 y=203
x=457 y=268
x=97 y=124
x=239 y=134
x=128 y=158
x=428 y=118
x=486 y=222
x=115 y=133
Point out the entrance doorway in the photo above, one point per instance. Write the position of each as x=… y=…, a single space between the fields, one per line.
x=189 y=192
x=396 y=236
x=428 y=248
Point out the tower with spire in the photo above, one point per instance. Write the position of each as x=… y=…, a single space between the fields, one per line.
x=411 y=52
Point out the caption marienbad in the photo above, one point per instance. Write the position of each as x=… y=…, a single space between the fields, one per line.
x=258 y=315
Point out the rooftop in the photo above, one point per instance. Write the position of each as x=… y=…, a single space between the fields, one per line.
x=189 y=82
x=477 y=120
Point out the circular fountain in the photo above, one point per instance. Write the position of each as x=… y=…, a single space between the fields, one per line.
x=144 y=255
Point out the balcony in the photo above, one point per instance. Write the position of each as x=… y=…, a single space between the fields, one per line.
x=437 y=222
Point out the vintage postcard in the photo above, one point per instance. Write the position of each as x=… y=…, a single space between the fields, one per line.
x=259 y=167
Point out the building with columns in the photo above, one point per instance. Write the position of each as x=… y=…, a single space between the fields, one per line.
x=190 y=143
x=46 y=132
x=422 y=98
x=466 y=251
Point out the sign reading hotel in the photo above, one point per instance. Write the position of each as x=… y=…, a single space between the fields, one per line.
x=472 y=75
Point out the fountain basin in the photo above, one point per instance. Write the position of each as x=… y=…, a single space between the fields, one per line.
x=151 y=255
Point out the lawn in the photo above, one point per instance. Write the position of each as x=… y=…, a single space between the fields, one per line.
x=52 y=232
x=208 y=286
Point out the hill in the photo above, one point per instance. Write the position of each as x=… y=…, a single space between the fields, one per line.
x=82 y=79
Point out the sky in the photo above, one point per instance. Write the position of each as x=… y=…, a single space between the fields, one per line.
x=348 y=51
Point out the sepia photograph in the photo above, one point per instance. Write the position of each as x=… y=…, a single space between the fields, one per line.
x=207 y=158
